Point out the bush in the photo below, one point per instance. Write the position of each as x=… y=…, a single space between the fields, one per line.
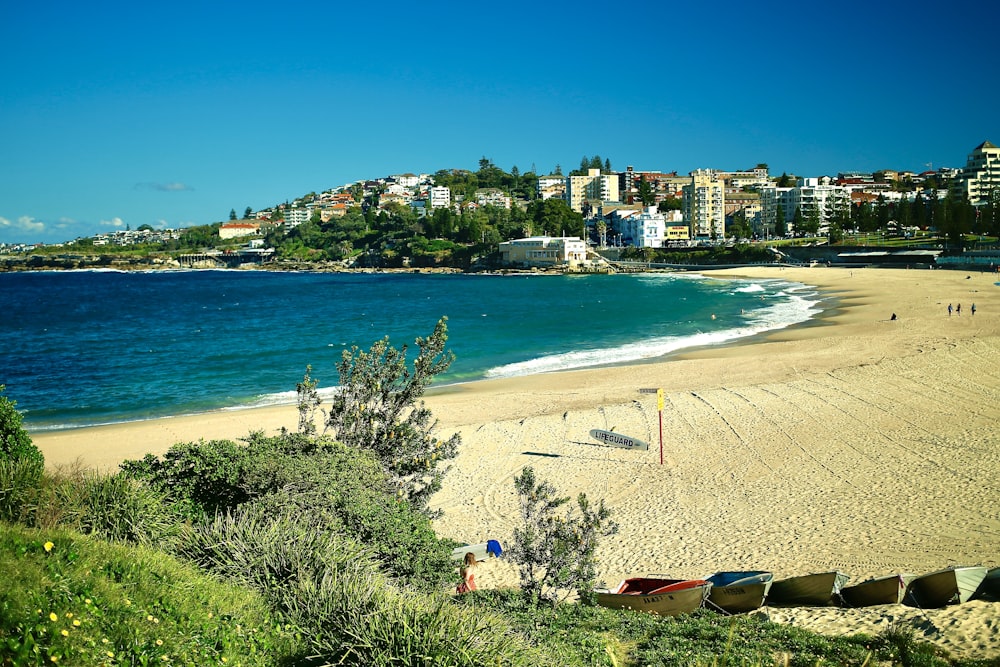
x=21 y=464
x=555 y=554
x=376 y=409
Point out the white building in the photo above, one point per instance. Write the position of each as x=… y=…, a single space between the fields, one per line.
x=544 y=251
x=440 y=197
x=645 y=230
x=817 y=201
x=295 y=217
x=232 y=230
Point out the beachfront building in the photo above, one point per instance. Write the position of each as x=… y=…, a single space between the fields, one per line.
x=980 y=179
x=775 y=214
x=594 y=186
x=817 y=201
x=543 y=251
x=704 y=204
x=644 y=230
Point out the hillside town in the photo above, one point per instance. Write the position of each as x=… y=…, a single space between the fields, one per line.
x=632 y=208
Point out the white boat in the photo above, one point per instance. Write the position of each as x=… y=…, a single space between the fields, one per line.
x=738 y=592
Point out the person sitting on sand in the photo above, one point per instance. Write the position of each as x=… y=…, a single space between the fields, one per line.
x=468 y=572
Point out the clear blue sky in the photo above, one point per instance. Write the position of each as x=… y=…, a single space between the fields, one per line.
x=171 y=114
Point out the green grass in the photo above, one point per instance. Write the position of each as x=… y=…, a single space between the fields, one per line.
x=77 y=600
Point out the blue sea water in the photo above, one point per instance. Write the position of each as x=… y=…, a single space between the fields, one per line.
x=92 y=347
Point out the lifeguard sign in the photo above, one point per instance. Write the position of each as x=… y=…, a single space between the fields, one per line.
x=613 y=439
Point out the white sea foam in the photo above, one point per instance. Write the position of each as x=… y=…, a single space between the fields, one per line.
x=797 y=304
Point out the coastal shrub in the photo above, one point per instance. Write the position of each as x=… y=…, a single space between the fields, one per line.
x=75 y=600
x=377 y=409
x=206 y=475
x=21 y=464
x=554 y=553
x=338 y=594
x=20 y=478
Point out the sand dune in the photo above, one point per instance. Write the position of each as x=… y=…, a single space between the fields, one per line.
x=857 y=443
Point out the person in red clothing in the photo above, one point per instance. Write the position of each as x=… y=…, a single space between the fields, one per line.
x=468 y=572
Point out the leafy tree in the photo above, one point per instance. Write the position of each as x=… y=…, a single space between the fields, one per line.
x=248 y=213
x=555 y=554
x=232 y=214
x=555 y=218
x=798 y=222
x=646 y=195
x=780 y=225
x=376 y=409
x=784 y=180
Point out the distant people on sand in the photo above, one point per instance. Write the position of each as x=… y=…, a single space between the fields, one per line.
x=893 y=318
x=958 y=309
x=949 y=310
x=973 y=309
x=468 y=572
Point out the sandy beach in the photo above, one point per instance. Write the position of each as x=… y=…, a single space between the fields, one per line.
x=857 y=443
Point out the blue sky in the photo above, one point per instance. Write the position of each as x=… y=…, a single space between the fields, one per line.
x=172 y=114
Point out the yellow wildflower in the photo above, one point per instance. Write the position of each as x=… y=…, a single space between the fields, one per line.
x=111 y=654
x=54 y=658
x=149 y=617
x=53 y=616
x=69 y=614
x=87 y=601
x=48 y=546
x=159 y=642
x=76 y=622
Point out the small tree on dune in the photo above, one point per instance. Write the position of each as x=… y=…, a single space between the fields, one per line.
x=377 y=407
x=555 y=554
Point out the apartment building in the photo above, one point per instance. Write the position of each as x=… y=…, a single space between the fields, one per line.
x=643 y=230
x=981 y=176
x=595 y=186
x=440 y=197
x=704 y=204
x=552 y=186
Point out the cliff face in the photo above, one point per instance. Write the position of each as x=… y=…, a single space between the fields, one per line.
x=71 y=262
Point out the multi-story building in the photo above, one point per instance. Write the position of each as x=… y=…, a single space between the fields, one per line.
x=440 y=197
x=644 y=230
x=816 y=201
x=552 y=186
x=295 y=217
x=704 y=204
x=595 y=186
x=980 y=178
x=493 y=197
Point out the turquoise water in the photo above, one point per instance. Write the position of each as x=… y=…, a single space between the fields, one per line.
x=92 y=347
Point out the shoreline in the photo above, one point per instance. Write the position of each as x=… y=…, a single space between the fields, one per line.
x=853 y=442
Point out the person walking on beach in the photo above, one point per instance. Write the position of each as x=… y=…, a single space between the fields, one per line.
x=973 y=309
x=468 y=572
x=949 y=310
x=958 y=309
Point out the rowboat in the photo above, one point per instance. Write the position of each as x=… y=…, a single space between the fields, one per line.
x=990 y=588
x=738 y=592
x=810 y=590
x=665 y=597
x=880 y=590
x=952 y=585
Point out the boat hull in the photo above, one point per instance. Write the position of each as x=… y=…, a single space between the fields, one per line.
x=953 y=585
x=678 y=597
x=809 y=590
x=889 y=589
x=739 y=592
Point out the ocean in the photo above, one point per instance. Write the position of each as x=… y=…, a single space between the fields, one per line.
x=81 y=348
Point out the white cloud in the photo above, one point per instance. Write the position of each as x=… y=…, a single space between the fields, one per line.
x=113 y=222
x=24 y=223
